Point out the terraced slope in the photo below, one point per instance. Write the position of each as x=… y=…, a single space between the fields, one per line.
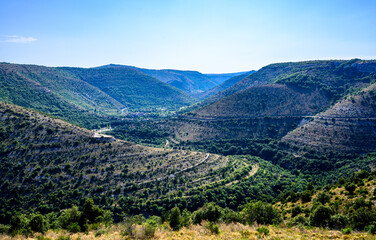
x=267 y=100
x=303 y=88
x=47 y=163
x=191 y=129
x=350 y=126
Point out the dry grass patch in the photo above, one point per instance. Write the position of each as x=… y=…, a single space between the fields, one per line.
x=234 y=231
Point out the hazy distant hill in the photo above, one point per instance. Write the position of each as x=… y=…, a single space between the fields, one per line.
x=191 y=82
x=223 y=86
x=219 y=78
x=132 y=88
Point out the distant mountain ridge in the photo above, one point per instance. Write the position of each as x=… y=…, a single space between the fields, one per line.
x=76 y=94
x=193 y=83
x=133 y=88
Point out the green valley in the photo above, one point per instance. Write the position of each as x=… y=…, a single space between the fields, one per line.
x=291 y=139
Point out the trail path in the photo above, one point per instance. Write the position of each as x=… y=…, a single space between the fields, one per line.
x=98 y=133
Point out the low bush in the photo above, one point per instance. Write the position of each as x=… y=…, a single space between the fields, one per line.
x=320 y=216
x=298 y=221
x=262 y=213
x=338 y=221
x=209 y=211
x=263 y=230
x=214 y=228
x=346 y=230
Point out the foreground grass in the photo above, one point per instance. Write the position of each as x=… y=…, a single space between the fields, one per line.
x=227 y=231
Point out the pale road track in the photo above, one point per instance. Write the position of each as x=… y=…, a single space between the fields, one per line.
x=98 y=133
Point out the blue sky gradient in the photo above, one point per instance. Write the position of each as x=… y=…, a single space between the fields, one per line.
x=211 y=36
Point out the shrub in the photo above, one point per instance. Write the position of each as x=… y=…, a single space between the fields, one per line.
x=229 y=215
x=19 y=224
x=107 y=217
x=262 y=213
x=69 y=216
x=175 y=219
x=350 y=187
x=151 y=225
x=91 y=213
x=323 y=198
x=296 y=210
x=362 y=217
x=186 y=217
x=298 y=220
x=41 y=237
x=99 y=232
x=245 y=234
x=38 y=223
x=74 y=227
x=306 y=196
x=346 y=230
x=214 y=228
x=63 y=238
x=209 y=211
x=4 y=228
x=360 y=202
x=263 y=230
x=130 y=224
x=320 y=216
x=371 y=228
x=338 y=221
x=149 y=229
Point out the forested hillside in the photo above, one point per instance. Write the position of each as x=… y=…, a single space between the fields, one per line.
x=55 y=92
x=134 y=89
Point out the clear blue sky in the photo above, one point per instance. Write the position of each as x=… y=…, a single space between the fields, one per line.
x=210 y=36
